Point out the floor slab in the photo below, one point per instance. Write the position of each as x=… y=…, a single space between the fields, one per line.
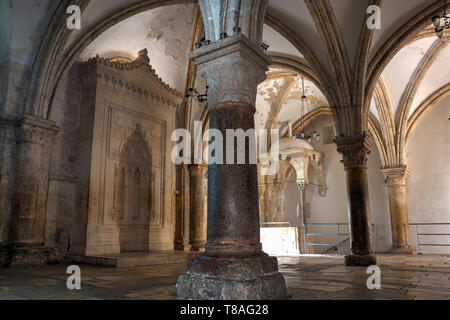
x=307 y=278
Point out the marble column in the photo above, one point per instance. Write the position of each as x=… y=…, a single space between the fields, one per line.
x=27 y=235
x=354 y=151
x=234 y=265
x=198 y=206
x=395 y=179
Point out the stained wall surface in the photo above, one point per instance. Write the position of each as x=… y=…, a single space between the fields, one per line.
x=428 y=187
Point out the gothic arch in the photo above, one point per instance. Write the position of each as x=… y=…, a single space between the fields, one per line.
x=374 y=129
x=53 y=62
x=418 y=114
x=402 y=37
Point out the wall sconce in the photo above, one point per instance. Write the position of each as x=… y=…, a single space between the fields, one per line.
x=437 y=22
x=193 y=93
x=265 y=46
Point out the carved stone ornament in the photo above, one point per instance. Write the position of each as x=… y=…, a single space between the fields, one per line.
x=395 y=176
x=233 y=69
x=154 y=89
x=35 y=130
x=198 y=170
x=354 y=150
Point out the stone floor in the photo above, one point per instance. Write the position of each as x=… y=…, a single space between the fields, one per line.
x=307 y=278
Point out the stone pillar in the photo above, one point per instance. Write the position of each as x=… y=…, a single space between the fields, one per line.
x=234 y=265
x=395 y=179
x=182 y=210
x=7 y=169
x=198 y=206
x=354 y=150
x=27 y=235
x=302 y=189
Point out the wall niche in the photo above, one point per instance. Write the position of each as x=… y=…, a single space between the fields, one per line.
x=128 y=115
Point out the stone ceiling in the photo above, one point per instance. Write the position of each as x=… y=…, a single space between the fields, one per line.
x=166 y=31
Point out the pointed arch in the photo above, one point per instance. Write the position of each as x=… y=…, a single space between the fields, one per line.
x=397 y=41
x=429 y=102
x=409 y=95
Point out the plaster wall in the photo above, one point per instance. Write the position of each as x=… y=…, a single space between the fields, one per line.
x=427 y=188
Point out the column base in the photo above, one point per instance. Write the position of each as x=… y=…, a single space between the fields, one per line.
x=27 y=256
x=182 y=247
x=232 y=278
x=5 y=256
x=403 y=250
x=360 y=261
x=198 y=246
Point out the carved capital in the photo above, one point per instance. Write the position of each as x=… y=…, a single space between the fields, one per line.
x=354 y=150
x=35 y=130
x=233 y=68
x=198 y=170
x=301 y=185
x=395 y=176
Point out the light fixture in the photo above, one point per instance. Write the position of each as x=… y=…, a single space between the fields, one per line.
x=437 y=22
x=265 y=46
x=305 y=110
x=197 y=96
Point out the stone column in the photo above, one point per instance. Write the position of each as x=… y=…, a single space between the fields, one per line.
x=198 y=206
x=27 y=236
x=354 y=150
x=395 y=179
x=234 y=265
x=7 y=169
x=182 y=210
x=302 y=189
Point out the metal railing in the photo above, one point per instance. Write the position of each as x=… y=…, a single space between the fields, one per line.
x=276 y=223
x=420 y=234
x=339 y=245
x=336 y=247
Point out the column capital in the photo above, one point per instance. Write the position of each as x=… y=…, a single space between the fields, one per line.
x=197 y=170
x=233 y=68
x=34 y=130
x=395 y=176
x=354 y=150
x=301 y=185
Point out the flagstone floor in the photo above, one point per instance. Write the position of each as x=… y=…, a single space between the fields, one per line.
x=307 y=278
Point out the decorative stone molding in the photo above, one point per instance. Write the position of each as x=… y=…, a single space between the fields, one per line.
x=156 y=89
x=354 y=150
x=35 y=130
x=224 y=16
x=4 y=121
x=233 y=69
x=198 y=170
x=395 y=176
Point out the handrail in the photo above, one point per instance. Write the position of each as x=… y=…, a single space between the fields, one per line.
x=276 y=223
x=337 y=245
x=419 y=234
